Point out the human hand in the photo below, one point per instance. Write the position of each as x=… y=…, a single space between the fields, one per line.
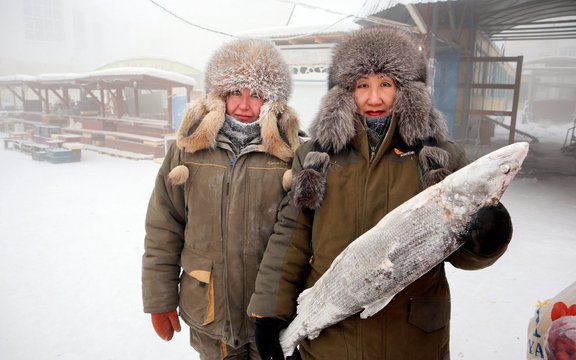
x=267 y=336
x=165 y=324
x=489 y=230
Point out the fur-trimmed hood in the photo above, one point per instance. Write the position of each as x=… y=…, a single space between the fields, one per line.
x=243 y=63
x=395 y=54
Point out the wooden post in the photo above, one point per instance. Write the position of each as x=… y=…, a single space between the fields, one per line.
x=136 y=100
x=47 y=101
x=65 y=100
x=119 y=102
x=169 y=105
x=102 y=103
x=23 y=98
x=515 y=99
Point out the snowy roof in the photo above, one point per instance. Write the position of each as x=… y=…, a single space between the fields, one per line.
x=374 y=6
x=124 y=72
x=114 y=74
x=289 y=31
x=345 y=25
x=17 y=78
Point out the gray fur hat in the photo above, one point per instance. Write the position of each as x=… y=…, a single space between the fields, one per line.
x=389 y=52
x=242 y=63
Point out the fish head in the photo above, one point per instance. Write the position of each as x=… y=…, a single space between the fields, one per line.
x=484 y=181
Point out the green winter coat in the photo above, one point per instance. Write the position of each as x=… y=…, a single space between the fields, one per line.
x=206 y=235
x=360 y=191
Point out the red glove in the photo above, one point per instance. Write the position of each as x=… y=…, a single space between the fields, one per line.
x=165 y=324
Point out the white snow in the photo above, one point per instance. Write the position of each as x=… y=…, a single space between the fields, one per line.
x=71 y=240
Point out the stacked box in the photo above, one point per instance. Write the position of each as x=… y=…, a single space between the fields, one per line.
x=39 y=155
x=58 y=155
x=75 y=151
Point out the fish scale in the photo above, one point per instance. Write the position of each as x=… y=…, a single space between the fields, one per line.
x=408 y=242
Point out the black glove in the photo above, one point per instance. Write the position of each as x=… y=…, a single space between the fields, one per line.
x=489 y=231
x=267 y=336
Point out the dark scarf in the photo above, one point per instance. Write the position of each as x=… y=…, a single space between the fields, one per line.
x=376 y=128
x=240 y=134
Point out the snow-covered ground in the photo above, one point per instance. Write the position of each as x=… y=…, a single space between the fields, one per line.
x=71 y=240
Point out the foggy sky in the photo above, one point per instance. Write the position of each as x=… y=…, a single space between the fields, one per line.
x=96 y=32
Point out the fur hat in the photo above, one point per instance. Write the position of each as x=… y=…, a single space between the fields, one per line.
x=243 y=63
x=388 y=52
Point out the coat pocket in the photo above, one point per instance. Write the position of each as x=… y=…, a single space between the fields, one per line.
x=429 y=314
x=197 y=288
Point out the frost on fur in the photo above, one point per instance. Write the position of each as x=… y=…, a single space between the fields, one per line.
x=310 y=183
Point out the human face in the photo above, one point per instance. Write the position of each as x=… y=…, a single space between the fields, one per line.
x=244 y=105
x=374 y=95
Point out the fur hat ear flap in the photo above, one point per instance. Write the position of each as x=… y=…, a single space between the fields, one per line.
x=178 y=175
x=310 y=183
x=289 y=125
x=412 y=106
x=434 y=162
x=334 y=125
x=194 y=112
x=204 y=136
x=271 y=140
x=434 y=176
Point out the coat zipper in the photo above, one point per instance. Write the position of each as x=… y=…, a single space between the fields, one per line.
x=225 y=209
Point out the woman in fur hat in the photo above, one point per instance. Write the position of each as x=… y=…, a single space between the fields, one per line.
x=377 y=141
x=215 y=200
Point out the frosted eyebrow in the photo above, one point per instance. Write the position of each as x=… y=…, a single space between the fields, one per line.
x=387 y=78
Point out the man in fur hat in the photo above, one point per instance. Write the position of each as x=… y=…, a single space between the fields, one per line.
x=376 y=142
x=215 y=201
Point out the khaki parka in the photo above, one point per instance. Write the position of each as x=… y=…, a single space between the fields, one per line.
x=361 y=189
x=205 y=238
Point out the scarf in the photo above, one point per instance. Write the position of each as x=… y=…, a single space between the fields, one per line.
x=239 y=133
x=376 y=128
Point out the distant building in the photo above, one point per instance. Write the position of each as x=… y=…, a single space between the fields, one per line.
x=549 y=89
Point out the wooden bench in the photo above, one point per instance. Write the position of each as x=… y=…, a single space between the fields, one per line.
x=30 y=147
x=142 y=144
x=11 y=143
x=20 y=135
x=149 y=140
